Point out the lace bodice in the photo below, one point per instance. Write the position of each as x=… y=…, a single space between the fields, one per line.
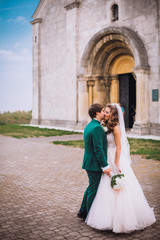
x=110 y=140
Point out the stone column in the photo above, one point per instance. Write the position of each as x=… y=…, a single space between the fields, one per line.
x=99 y=91
x=36 y=71
x=82 y=102
x=114 y=93
x=72 y=28
x=141 y=125
x=107 y=83
x=90 y=91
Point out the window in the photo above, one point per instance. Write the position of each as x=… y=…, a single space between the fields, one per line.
x=114 y=10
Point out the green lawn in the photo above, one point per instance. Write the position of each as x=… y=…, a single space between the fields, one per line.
x=27 y=131
x=73 y=143
x=150 y=149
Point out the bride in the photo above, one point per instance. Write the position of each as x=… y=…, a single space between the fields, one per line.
x=123 y=210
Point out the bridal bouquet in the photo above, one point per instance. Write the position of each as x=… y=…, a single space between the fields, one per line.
x=117 y=181
x=104 y=127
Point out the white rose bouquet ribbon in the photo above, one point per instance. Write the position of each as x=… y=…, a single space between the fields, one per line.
x=117 y=181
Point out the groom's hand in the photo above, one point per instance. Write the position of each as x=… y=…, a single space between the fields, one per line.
x=108 y=172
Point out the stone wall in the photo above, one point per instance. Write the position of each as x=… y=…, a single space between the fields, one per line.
x=66 y=29
x=139 y=16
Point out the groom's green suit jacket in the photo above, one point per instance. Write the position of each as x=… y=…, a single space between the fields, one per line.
x=95 y=142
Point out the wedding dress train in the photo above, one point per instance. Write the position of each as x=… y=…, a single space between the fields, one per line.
x=122 y=210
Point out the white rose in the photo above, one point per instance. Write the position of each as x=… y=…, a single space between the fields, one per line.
x=105 y=128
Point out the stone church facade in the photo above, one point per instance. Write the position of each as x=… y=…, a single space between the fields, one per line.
x=89 y=51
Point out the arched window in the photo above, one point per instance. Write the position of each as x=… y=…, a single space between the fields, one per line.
x=114 y=10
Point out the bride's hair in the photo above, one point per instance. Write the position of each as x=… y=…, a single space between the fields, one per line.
x=114 y=120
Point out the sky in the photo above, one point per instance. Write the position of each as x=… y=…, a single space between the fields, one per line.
x=16 y=54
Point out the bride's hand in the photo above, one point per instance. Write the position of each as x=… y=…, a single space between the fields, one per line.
x=118 y=167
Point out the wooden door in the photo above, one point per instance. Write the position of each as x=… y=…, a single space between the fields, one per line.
x=124 y=96
x=127 y=97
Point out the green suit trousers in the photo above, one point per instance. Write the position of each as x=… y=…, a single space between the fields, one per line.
x=90 y=193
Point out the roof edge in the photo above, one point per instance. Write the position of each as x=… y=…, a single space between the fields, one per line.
x=38 y=8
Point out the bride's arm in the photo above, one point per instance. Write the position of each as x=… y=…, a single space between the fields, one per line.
x=117 y=138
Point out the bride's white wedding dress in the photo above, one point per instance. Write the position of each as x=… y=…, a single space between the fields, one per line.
x=122 y=210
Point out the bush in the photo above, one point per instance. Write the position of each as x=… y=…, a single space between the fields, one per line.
x=19 y=117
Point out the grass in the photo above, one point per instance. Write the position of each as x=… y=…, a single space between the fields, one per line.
x=149 y=149
x=74 y=143
x=19 y=117
x=27 y=131
x=9 y=126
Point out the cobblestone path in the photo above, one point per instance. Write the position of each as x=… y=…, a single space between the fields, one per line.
x=42 y=185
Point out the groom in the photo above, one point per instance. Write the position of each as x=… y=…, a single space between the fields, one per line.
x=95 y=156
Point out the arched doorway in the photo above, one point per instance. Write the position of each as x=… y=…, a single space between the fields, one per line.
x=122 y=70
x=109 y=55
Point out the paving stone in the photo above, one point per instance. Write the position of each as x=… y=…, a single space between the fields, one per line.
x=85 y=238
x=58 y=237
x=42 y=186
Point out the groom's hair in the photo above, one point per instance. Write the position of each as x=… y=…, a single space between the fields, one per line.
x=94 y=108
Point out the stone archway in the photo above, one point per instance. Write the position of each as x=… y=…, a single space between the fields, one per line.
x=109 y=51
x=122 y=64
x=123 y=86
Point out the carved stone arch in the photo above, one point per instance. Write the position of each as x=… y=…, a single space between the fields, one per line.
x=96 y=80
x=105 y=50
x=105 y=57
x=107 y=62
x=122 y=64
x=131 y=38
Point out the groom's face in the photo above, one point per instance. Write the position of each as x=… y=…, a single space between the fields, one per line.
x=101 y=114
